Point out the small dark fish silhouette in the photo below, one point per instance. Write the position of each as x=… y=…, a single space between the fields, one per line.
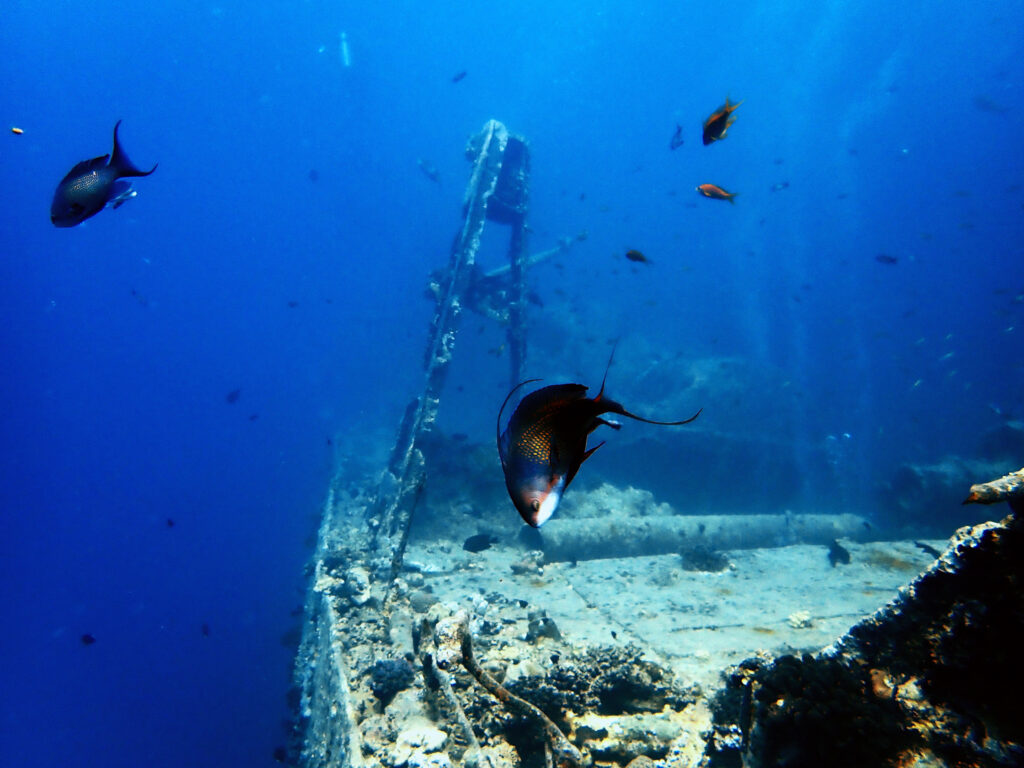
x=314 y=175
x=987 y=104
x=429 y=171
x=545 y=443
x=479 y=543
x=715 y=192
x=88 y=639
x=635 y=255
x=170 y=522
x=458 y=76
x=718 y=122
x=292 y=304
x=232 y=396
x=205 y=629
x=885 y=258
x=837 y=553
x=93 y=184
x=928 y=549
x=677 y=138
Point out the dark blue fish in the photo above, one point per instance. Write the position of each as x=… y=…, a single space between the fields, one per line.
x=93 y=184
x=546 y=442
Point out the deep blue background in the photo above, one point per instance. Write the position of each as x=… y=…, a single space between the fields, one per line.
x=898 y=129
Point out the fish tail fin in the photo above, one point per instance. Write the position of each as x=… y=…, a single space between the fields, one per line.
x=624 y=412
x=615 y=344
x=120 y=161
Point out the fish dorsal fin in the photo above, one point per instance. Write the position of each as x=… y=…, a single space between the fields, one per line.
x=552 y=398
x=120 y=162
x=608 y=366
x=86 y=166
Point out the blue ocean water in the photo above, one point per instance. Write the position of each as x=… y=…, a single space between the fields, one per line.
x=282 y=247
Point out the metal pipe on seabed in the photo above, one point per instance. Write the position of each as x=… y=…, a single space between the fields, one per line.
x=608 y=537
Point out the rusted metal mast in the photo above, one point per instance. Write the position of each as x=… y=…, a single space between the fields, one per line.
x=497 y=191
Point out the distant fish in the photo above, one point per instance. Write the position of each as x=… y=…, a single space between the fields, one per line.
x=313 y=175
x=292 y=304
x=718 y=122
x=677 y=138
x=479 y=542
x=885 y=258
x=93 y=184
x=837 y=553
x=232 y=396
x=458 y=76
x=169 y=522
x=88 y=639
x=988 y=104
x=17 y=131
x=545 y=443
x=205 y=629
x=715 y=192
x=429 y=171
x=928 y=549
x=779 y=186
x=635 y=255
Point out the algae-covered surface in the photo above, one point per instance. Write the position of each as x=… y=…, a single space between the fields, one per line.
x=781 y=600
x=623 y=658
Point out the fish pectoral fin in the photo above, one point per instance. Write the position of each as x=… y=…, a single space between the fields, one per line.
x=590 y=452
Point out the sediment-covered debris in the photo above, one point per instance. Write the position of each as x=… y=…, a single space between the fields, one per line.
x=932 y=679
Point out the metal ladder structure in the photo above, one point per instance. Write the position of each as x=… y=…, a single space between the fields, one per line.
x=498 y=191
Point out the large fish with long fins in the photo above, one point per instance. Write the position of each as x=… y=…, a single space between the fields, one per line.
x=545 y=442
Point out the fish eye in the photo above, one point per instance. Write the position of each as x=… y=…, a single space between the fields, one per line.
x=535 y=505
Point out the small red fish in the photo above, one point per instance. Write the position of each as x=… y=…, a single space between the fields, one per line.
x=545 y=443
x=718 y=122
x=715 y=192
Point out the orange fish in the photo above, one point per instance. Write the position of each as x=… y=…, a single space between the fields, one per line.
x=715 y=192
x=17 y=131
x=718 y=122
